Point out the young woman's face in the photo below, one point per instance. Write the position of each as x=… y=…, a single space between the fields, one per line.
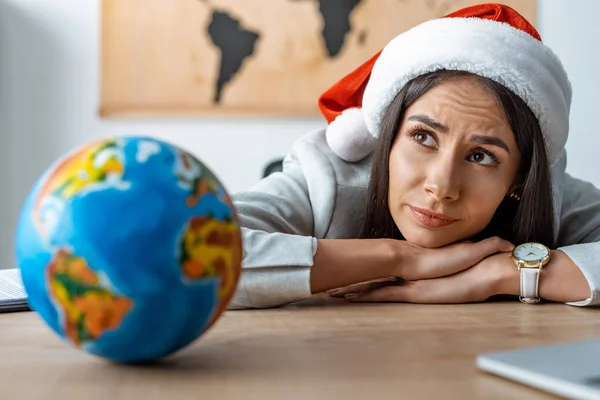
x=453 y=162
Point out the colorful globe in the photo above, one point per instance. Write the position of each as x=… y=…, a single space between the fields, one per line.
x=129 y=248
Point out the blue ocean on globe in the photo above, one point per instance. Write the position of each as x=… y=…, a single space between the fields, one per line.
x=128 y=248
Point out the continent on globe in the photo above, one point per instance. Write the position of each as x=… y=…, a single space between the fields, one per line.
x=87 y=308
x=91 y=165
x=235 y=44
x=208 y=249
x=190 y=175
x=336 y=23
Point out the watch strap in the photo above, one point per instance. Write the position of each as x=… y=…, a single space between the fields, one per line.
x=530 y=278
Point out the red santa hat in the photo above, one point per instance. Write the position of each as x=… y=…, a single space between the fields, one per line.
x=489 y=40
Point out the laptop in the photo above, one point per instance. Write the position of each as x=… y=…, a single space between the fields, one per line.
x=12 y=293
x=570 y=370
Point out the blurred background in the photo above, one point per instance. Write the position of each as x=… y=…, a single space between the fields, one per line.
x=50 y=100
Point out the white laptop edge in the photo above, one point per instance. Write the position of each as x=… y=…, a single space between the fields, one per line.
x=504 y=365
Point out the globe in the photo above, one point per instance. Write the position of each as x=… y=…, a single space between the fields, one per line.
x=129 y=248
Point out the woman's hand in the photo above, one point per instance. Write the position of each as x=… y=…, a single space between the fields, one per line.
x=342 y=262
x=474 y=284
x=419 y=263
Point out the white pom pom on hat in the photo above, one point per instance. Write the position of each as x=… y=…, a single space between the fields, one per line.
x=349 y=137
x=481 y=39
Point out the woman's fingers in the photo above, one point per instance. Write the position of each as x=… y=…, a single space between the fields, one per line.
x=485 y=248
x=427 y=264
x=387 y=294
x=465 y=287
x=362 y=287
x=445 y=261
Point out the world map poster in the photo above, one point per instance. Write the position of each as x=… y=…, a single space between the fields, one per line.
x=245 y=57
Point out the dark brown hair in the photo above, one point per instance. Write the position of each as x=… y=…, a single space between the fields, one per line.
x=530 y=219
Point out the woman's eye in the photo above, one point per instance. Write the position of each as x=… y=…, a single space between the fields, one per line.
x=425 y=139
x=483 y=158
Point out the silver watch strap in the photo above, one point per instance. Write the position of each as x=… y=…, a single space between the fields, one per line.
x=529 y=285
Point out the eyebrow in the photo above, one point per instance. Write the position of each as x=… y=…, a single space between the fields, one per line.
x=424 y=119
x=489 y=140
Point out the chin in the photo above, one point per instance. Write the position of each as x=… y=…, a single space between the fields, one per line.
x=429 y=239
x=430 y=243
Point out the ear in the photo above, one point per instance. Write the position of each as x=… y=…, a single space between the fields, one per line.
x=514 y=193
x=516 y=187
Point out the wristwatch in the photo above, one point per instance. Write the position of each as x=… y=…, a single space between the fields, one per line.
x=530 y=259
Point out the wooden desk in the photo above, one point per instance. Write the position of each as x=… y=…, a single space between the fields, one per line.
x=321 y=349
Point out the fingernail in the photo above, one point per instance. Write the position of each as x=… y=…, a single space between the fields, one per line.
x=351 y=296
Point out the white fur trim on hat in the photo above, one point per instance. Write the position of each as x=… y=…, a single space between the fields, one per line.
x=348 y=136
x=487 y=48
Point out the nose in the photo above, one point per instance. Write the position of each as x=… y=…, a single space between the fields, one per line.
x=442 y=181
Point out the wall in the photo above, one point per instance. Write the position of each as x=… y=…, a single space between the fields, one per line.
x=571 y=29
x=48 y=100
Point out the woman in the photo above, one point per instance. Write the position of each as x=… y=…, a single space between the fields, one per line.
x=440 y=179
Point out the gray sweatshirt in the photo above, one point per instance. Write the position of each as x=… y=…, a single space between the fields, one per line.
x=318 y=195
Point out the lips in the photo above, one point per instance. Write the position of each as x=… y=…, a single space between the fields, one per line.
x=431 y=219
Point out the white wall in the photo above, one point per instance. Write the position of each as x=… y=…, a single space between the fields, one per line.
x=49 y=98
x=572 y=30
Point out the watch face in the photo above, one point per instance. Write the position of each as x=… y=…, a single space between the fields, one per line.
x=531 y=252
